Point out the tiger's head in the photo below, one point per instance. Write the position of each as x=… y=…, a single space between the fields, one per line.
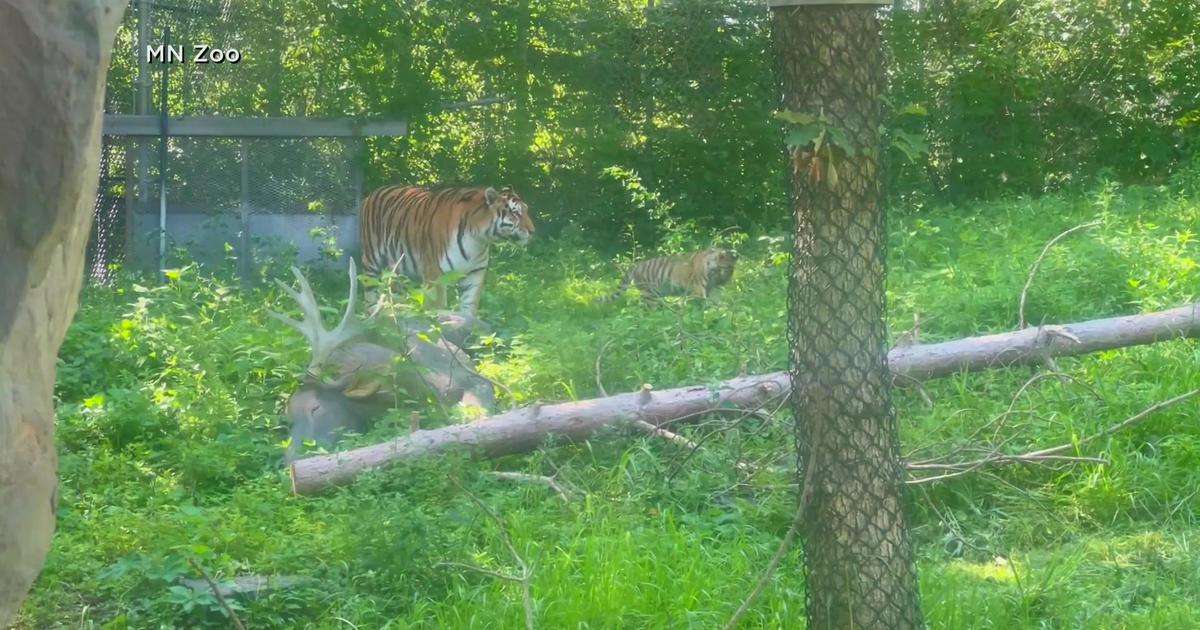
x=718 y=265
x=511 y=220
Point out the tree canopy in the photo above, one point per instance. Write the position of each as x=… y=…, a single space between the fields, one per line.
x=637 y=117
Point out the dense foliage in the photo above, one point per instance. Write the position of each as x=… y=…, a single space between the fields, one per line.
x=675 y=98
x=170 y=402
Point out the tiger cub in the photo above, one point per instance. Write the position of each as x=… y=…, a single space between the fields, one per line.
x=696 y=274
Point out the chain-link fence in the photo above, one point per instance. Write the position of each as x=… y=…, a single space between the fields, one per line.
x=107 y=242
x=231 y=201
x=858 y=559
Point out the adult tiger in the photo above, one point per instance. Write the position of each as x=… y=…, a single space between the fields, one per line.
x=697 y=274
x=424 y=233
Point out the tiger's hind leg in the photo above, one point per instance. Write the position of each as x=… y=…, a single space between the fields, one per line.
x=439 y=296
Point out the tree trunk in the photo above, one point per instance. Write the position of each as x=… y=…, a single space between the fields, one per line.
x=859 y=562
x=53 y=61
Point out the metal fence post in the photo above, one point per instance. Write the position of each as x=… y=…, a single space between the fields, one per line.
x=164 y=138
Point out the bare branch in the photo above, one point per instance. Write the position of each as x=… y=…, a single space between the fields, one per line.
x=1042 y=456
x=448 y=106
x=1120 y=426
x=237 y=623
x=784 y=545
x=599 y=356
x=917 y=385
x=526 y=576
x=478 y=569
x=1037 y=263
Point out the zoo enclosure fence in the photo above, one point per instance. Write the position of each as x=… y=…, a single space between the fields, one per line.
x=222 y=198
x=222 y=188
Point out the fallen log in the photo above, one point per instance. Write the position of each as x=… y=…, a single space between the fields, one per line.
x=1034 y=345
x=523 y=429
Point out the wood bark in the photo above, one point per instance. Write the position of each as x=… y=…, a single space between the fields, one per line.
x=857 y=555
x=53 y=61
x=1034 y=345
x=524 y=429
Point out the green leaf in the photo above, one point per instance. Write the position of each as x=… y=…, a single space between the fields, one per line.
x=913 y=109
x=800 y=136
x=796 y=118
x=912 y=145
x=841 y=140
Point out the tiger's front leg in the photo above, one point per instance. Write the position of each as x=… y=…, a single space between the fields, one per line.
x=439 y=296
x=471 y=290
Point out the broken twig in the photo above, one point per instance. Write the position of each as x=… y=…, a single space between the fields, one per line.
x=546 y=481
x=1037 y=263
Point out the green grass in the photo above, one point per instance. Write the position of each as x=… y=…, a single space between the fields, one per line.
x=169 y=429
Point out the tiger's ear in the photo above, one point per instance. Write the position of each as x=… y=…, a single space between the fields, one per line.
x=490 y=196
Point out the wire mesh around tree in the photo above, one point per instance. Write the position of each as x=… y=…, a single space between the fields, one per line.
x=858 y=560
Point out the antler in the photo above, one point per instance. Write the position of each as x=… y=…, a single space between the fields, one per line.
x=323 y=342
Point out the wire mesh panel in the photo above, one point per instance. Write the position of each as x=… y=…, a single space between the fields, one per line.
x=245 y=198
x=303 y=175
x=857 y=555
x=106 y=243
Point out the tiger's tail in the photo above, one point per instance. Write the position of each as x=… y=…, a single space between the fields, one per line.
x=606 y=299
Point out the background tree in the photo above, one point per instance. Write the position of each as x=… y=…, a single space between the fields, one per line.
x=857 y=554
x=53 y=61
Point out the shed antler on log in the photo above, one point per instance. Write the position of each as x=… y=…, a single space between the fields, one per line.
x=367 y=376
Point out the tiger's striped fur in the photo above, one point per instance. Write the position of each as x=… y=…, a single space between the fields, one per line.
x=424 y=233
x=697 y=274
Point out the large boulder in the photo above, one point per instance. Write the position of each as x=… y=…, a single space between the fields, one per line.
x=53 y=60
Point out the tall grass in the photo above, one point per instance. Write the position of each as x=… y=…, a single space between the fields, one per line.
x=169 y=405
